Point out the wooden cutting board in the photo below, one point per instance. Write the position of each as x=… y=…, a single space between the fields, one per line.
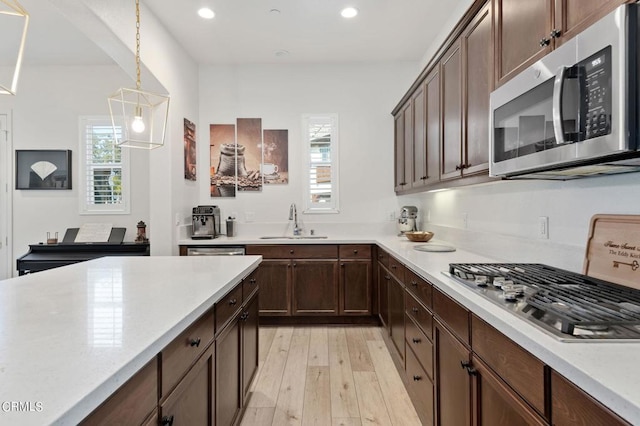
x=613 y=249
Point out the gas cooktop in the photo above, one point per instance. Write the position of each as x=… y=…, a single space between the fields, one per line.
x=572 y=307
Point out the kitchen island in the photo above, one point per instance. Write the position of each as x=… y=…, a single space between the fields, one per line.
x=605 y=370
x=71 y=336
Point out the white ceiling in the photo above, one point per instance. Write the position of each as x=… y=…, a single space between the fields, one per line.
x=246 y=31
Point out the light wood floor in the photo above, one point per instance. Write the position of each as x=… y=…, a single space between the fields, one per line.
x=327 y=376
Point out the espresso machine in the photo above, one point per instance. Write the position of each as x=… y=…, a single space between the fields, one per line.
x=407 y=222
x=205 y=222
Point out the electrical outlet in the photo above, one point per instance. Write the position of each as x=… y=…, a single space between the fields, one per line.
x=249 y=216
x=543 y=227
x=465 y=220
x=429 y=216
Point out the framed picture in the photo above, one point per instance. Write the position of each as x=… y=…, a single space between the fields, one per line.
x=43 y=169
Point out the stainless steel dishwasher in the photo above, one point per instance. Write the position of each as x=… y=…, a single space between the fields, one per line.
x=216 y=251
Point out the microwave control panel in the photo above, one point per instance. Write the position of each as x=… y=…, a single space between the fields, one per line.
x=597 y=102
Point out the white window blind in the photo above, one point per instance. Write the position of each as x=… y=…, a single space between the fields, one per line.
x=104 y=169
x=321 y=136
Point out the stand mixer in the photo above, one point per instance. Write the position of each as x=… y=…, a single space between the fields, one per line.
x=407 y=222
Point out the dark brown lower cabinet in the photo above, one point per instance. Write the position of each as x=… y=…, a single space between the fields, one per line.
x=396 y=315
x=420 y=388
x=227 y=377
x=383 y=295
x=573 y=407
x=355 y=287
x=191 y=401
x=453 y=382
x=249 y=324
x=274 y=277
x=315 y=287
x=495 y=403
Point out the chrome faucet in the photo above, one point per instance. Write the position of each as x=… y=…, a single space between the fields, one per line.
x=293 y=215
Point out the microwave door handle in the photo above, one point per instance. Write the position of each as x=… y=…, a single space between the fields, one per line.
x=558 y=88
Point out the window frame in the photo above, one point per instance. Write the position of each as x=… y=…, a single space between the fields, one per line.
x=87 y=208
x=332 y=207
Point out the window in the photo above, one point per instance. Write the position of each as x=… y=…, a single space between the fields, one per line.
x=104 y=169
x=321 y=142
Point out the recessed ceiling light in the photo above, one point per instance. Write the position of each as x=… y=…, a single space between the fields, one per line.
x=349 y=12
x=274 y=12
x=206 y=13
x=280 y=53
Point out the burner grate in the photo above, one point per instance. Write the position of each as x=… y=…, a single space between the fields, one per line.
x=575 y=300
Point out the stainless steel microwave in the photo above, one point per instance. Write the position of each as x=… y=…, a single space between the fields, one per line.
x=575 y=112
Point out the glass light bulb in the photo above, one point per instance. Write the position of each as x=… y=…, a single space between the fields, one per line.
x=138 y=124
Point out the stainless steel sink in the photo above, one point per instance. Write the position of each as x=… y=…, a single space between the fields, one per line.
x=294 y=237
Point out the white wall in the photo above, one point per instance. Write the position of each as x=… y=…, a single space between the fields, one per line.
x=166 y=68
x=45 y=116
x=363 y=95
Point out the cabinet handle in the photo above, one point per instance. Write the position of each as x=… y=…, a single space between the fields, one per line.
x=387 y=277
x=233 y=302
x=555 y=33
x=244 y=316
x=415 y=310
x=403 y=183
x=544 y=42
x=355 y=252
x=470 y=370
x=394 y=266
x=414 y=283
x=416 y=340
x=194 y=342
x=459 y=167
x=342 y=264
x=252 y=280
x=167 y=421
x=417 y=378
x=290 y=251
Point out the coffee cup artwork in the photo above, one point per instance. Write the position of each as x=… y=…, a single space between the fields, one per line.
x=268 y=169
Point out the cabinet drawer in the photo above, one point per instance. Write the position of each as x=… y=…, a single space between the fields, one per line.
x=420 y=389
x=572 y=406
x=420 y=288
x=355 y=251
x=420 y=344
x=180 y=354
x=517 y=367
x=132 y=402
x=228 y=306
x=397 y=269
x=249 y=285
x=453 y=315
x=420 y=315
x=297 y=251
x=383 y=257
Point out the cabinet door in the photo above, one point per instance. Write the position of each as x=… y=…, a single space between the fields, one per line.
x=573 y=16
x=383 y=295
x=249 y=325
x=190 y=403
x=520 y=26
x=496 y=404
x=274 y=277
x=478 y=58
x=419 y=140
x=453 y=385
x=227 y=400
x=315 y=287
x=451 y=76
x=355 y=287
x=401 y=179
x=396 y=315
x=433 y=126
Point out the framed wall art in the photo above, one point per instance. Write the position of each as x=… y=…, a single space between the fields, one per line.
x=43 y=169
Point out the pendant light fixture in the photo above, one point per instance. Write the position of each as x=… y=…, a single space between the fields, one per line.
x=13 y=18
x=139 y=117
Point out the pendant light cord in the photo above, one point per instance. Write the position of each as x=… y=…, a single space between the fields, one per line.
x=138 y=44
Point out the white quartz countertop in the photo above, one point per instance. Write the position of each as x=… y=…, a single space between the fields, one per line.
x=69 y=337
x=607 y=371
